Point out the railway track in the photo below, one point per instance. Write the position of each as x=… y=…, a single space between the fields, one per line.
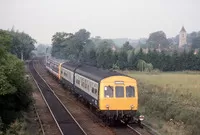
x=65 y=122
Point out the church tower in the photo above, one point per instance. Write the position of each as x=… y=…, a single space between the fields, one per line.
x=182 y=37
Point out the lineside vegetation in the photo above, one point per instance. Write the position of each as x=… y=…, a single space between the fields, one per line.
x=171 y=100
x=15 y=91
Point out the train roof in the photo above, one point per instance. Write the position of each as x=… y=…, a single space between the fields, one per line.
x=71 y=66
x=57 y=61
x=93 y=73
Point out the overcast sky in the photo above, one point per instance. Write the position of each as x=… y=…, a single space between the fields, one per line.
x=105 y=18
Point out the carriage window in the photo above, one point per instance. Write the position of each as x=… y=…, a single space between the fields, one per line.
x=77 y=81
x=82 y=84
x=130 y=91
x=119 y=91
x=95 y=91
x=108 y=91
x=92 y=90
x=65 y=74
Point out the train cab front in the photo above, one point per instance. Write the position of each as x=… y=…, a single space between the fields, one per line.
x=119 y=98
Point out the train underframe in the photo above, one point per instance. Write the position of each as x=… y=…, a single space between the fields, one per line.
x=115 y=117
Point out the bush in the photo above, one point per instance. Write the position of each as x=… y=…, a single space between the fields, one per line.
x=115 y=67
x=18 y=127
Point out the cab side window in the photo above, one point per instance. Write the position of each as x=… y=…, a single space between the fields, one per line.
x=130 y=91
x=108 y=91
x=119 y=91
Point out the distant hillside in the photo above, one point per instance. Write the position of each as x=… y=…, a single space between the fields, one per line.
x=120 y=41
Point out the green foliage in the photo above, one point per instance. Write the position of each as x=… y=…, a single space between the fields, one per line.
x=15 y=92
x=60 y=40
x=5 y=40
x=170 y=106
x=115 y=67
x=126 y=46
x=158 y=38
x=14 y=89
x=5 y=86
x=196 y=43
x=104 y=44
x=143 y=66
x=22 y=44
x=68 y=45
x=104 y=58
x=149 y=67
x=132 y=60
x=18 y=43
x=122 y=60
x=99 y=52
x=16 y=128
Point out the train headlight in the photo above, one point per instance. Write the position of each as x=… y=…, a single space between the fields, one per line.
x=132 y=107
x=107 y=106
x=141 y=117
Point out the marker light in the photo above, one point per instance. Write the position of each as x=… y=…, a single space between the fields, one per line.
x=141 y=117
x=132 y=107
x=107 y=106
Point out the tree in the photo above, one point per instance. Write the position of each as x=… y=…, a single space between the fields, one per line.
x=126 y=46
x=70 y=46
x=149 y=67
x=154 y=58
x=41 y=50
x=103 y=45
x=158 y=38
x=60 y=40
x=122 y=60
x=92 y=57
x=14 y=89
x=79 y=40
x=22 y=44
x=60 y=37
x=191 y=36
x=164 y=62
x=196 y=43
x=5 y=40
x=132 y=60
x=141 y=66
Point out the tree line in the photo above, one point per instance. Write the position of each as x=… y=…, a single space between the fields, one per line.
x=103 y=53
x=15 y=91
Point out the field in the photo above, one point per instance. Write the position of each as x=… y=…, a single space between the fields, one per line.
x=182 y=82
x=170 y=101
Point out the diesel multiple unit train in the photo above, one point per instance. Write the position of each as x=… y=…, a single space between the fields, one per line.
x=113 y=95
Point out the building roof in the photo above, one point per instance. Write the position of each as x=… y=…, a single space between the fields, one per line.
x=183 y=29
